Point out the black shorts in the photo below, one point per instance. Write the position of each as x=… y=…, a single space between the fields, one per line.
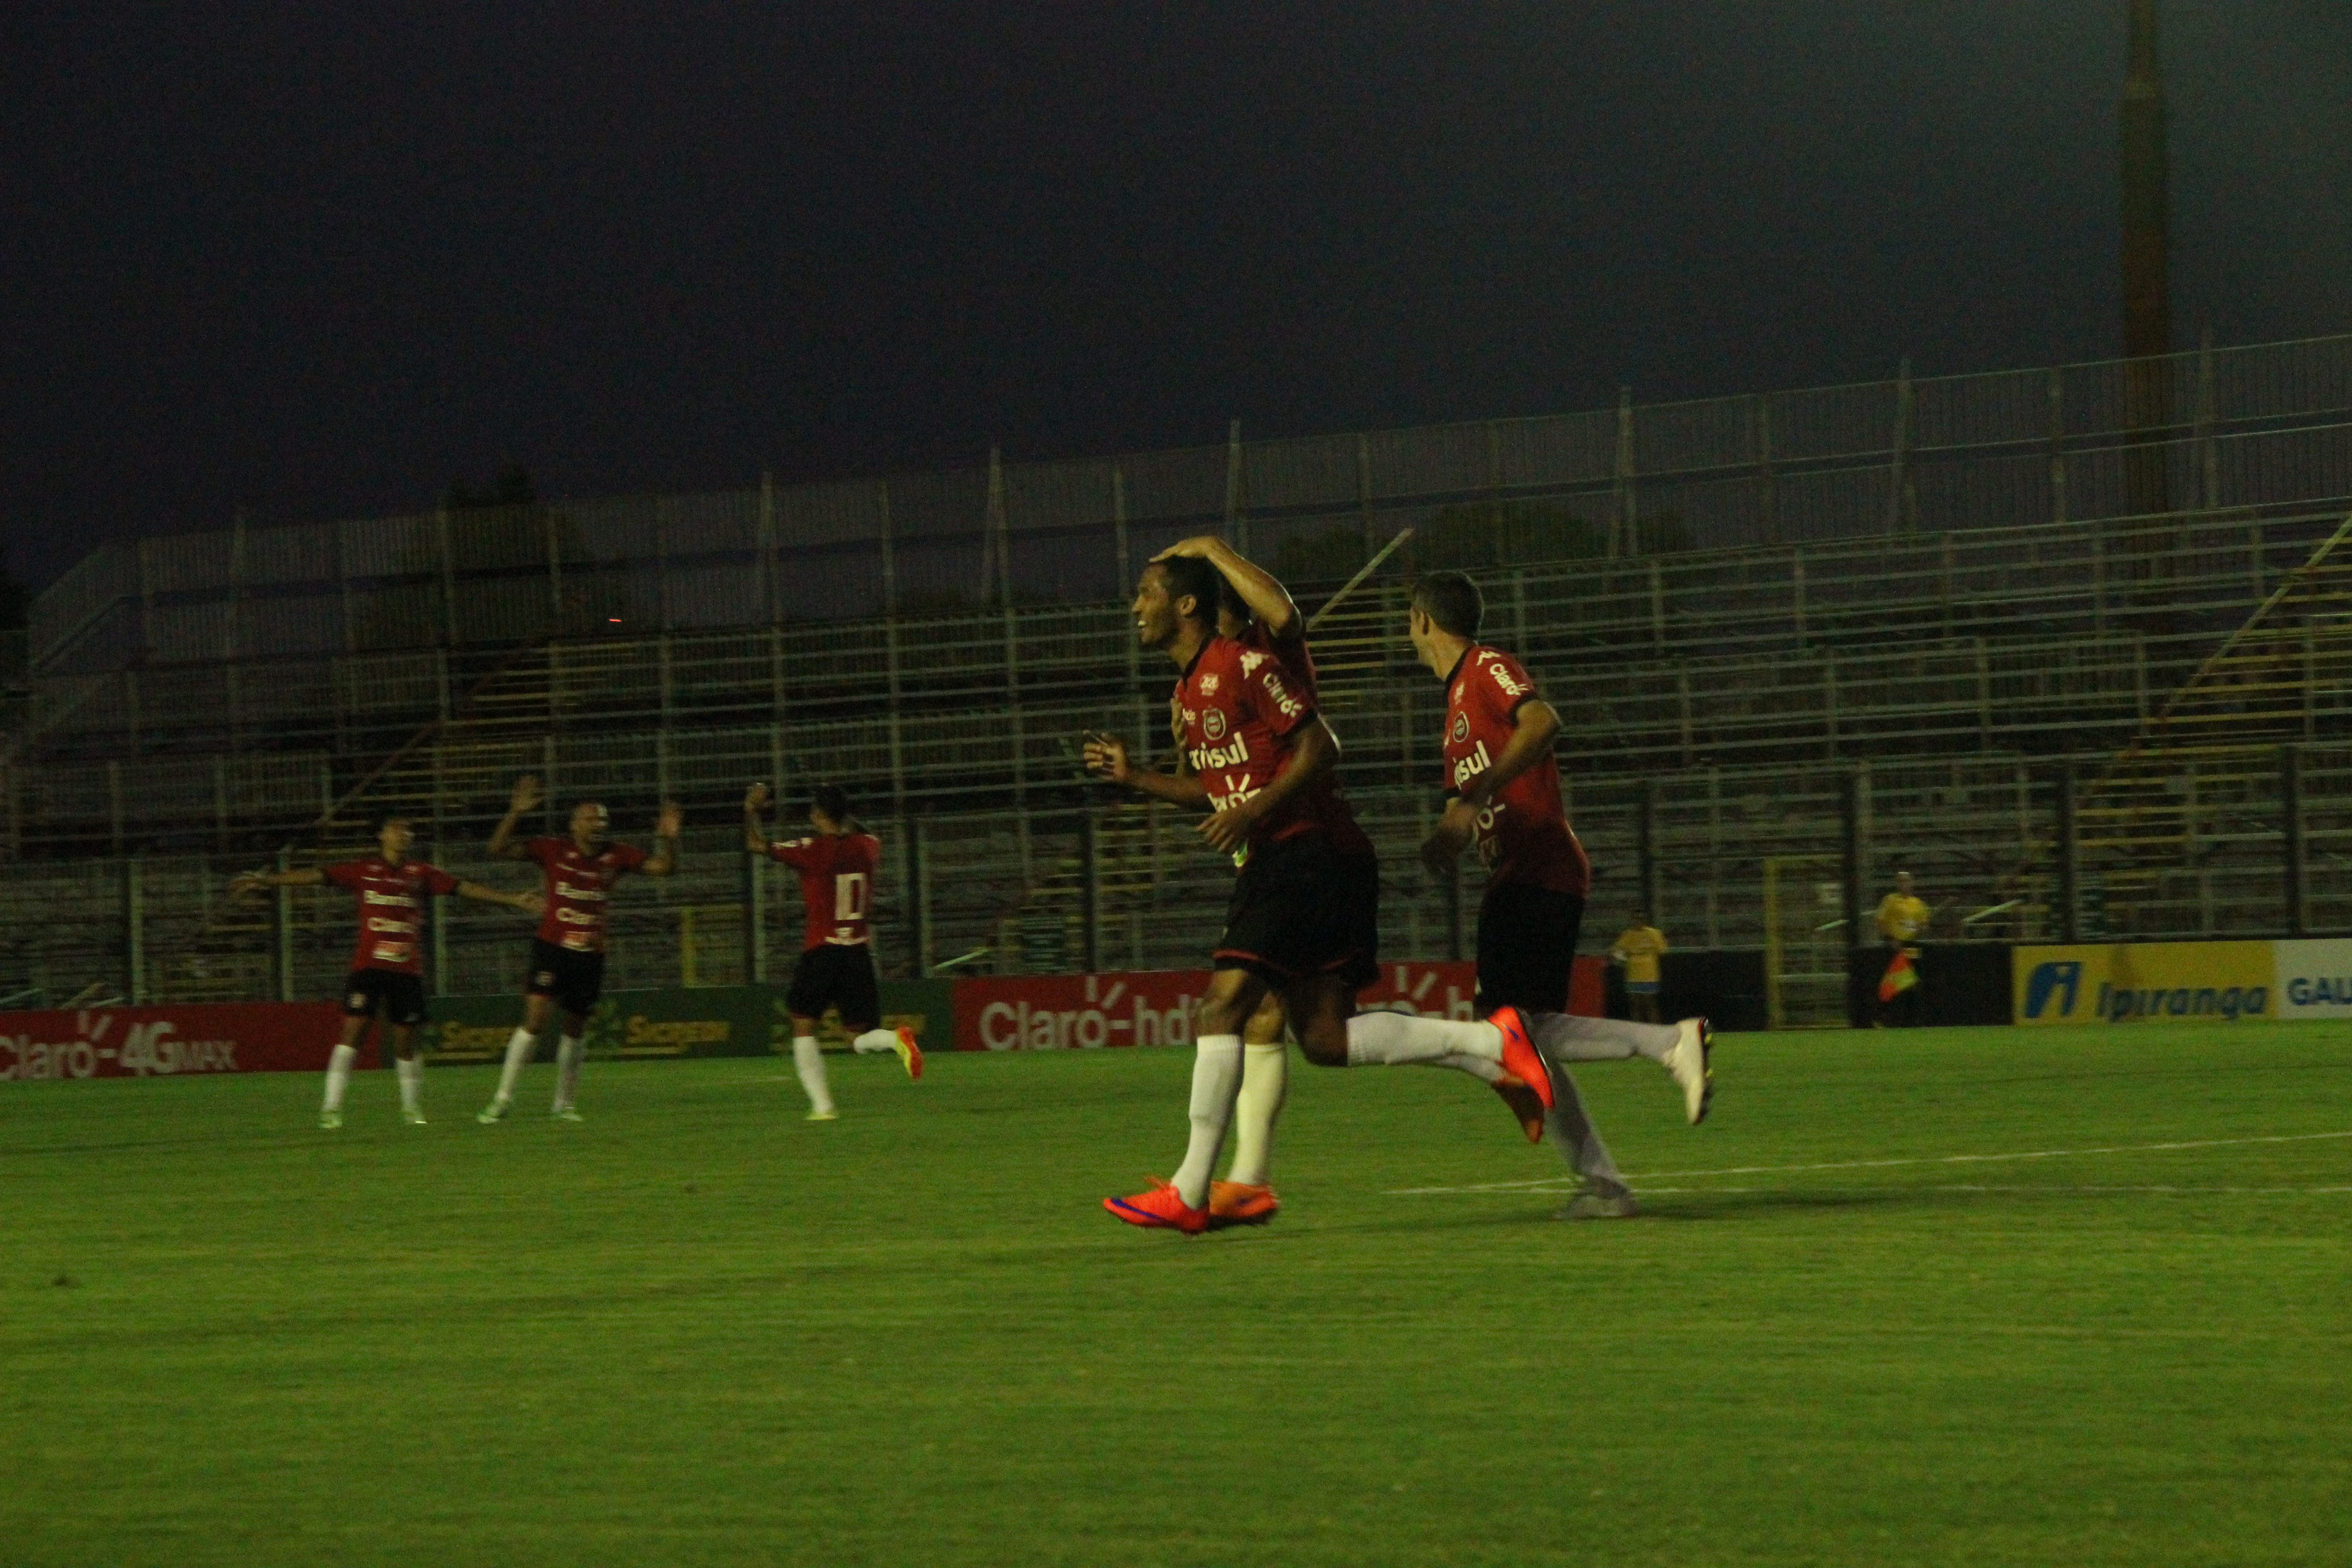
x=398 y=998
x=1301 y=908
x=574 y=979
x=1526 y=948
x=840 y=975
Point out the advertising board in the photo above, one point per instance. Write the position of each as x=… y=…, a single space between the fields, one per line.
x=2135 y=982
x=1159 y=1007
x=703 y=1021
x=2311 y=979
x=167 y=1040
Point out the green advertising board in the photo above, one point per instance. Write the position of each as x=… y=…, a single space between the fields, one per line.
x=703 y=1021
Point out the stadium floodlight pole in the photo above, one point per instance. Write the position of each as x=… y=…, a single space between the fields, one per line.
x=1370 y=566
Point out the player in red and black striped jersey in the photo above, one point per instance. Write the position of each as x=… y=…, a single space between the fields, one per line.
x=1303 y=921
x=387 y=977
x=1504 y=784
x=836 y=861
x=567 y=956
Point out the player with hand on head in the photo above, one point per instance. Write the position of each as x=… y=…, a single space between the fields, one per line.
x=567 y=955
x=387 y=978
x=1505 y=782
x=1303 y=921
x=836 y=861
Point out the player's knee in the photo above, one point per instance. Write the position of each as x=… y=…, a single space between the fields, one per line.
x=1324 y=1044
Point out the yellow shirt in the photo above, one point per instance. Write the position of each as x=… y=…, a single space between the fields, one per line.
x=1638 y=949
x=1901 y=918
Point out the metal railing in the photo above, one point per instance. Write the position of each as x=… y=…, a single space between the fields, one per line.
x=2261 y=427
x=2260 y=844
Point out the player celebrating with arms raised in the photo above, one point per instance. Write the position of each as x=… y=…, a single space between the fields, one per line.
x=1304 y=915
x=567 y=955
x=387 y=978
x=837 y=864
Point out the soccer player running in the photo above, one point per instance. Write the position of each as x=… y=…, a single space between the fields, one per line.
x=836 y=863
x=567 y=955
x=1505 y=783
x=387 y=978
x=1303 y=920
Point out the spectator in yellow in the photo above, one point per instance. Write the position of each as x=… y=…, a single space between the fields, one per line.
x=1638 y=947
x=1902 y=923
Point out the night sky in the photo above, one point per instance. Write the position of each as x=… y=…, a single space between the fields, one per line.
x=322 y=260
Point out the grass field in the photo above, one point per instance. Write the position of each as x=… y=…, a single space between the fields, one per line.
x=696 y=1329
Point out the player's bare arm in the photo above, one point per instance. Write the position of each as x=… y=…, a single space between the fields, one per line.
x=1106 y=759
x=246 y=883
x=504 y=844
x=1315 y=753
x=533 y=903
x=1270 y=603
x=666 y=830
x=755 y=830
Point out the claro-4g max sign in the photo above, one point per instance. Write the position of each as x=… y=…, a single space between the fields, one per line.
x=2132 y=983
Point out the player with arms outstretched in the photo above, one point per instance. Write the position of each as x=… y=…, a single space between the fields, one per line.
x=1303 y=920
x=1505 y=784
x=836 y=861
x=567 y=955
x=387 y=978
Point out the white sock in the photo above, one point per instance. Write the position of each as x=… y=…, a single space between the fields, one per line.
x=339 y=1076
x=567 y=1070
x=874 y=1040
x=1567 y=1039
x=1216 y=1080
x=809 y=1062
x=1478 y=1067
x=1265 y=1083
x=519 y=1047
x=1395 y=1039
x=411 y=1079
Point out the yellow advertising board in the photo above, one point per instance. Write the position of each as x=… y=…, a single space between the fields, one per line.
x=2147 y=982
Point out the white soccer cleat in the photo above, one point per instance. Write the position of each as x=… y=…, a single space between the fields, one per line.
x=1598 y=1205
x=413 y=1118
x=330 y=1120
x=1688 y=1062
x=495 y=1110
x=822 y=1116
x=566 y=1113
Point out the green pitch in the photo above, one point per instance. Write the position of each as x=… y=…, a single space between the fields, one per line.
x=698 y=1330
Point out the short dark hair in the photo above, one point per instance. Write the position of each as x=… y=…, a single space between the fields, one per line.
x=1453 y=601
x=1188 y=576
x=1229 y=599
x=831 y=800
x=384 y=819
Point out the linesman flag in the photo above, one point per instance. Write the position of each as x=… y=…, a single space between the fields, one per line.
x=1900 y=975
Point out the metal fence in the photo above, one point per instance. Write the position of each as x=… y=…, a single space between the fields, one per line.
x=1737 y=858
x=2262 y=427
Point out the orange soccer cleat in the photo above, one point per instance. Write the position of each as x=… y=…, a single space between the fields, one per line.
x=1520 y=1057
x=1241 y=1203
x=1524 y=1104
x=910 y=1054
x=1162 y=1208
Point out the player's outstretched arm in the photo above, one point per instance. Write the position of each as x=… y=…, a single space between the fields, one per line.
x=245 y=883
x=1317 y=755
x=1269 y=602
x=532 y=903
x=1106 y=759
x=1534 y=728
x=503 y=843
x=755 y=831
x=664 y=856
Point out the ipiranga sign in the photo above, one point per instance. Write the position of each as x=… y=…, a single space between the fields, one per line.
x=2147 y=982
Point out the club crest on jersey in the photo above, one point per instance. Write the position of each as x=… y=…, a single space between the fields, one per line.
x=1212 y=723
x=1462 y=726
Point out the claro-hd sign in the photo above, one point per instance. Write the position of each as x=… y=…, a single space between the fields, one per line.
x=2155 y=982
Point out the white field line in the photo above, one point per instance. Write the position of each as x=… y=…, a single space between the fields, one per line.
x=1545 y=1181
